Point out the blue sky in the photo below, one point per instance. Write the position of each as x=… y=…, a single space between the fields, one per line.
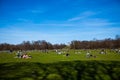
x=58 y=21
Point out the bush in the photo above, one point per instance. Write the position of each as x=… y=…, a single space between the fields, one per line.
x=72 y=70
x=54 y=77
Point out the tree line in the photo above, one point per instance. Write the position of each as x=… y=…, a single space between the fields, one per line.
x=97 y=44
x=33 y=45
x=75 y=44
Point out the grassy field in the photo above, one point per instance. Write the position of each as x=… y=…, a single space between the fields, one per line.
x=52 y=66
x=51 y=56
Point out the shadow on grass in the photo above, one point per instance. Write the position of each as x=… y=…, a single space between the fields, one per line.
x=71 y=70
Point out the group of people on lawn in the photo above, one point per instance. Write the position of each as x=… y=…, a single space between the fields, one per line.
x=20 y=54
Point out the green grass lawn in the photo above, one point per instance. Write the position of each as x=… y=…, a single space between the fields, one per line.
x=52 y=66
x=51 y=56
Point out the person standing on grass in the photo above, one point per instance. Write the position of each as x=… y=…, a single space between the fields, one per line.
x=18 y=54
x=87 y=55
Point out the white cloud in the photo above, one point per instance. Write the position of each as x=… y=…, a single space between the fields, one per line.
x=88 y=19
x=97 y=22
x=83 y=15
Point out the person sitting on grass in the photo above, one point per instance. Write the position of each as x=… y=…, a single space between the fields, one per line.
x=25 y=56
x=102 y=51
x=67 y=54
